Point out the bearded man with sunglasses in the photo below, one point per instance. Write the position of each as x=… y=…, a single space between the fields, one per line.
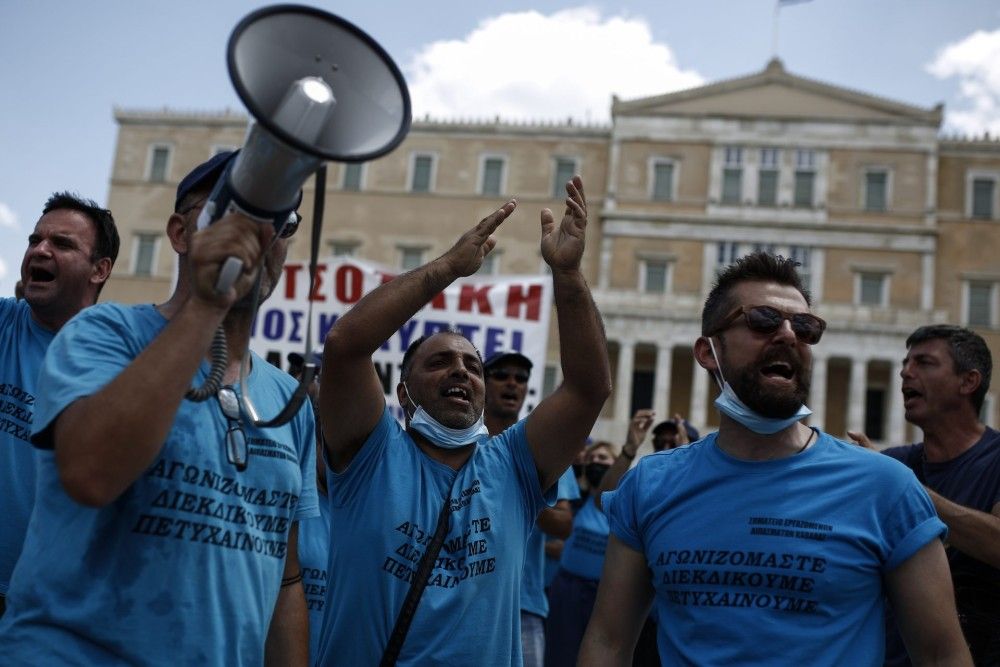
x=770 y=542
x=165 y=530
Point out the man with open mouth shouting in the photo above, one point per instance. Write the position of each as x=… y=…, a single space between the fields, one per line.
x=770 y=542
x=69 y=258
x=440 y=503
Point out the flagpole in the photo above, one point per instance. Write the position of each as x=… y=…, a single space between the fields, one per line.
x=774 y=30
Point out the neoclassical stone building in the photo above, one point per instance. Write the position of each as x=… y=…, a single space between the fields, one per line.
x=895 y=226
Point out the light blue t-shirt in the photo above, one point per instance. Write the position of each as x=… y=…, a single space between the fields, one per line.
x=384 y=509
x=22 y=347
x=314 y=551
x=184 y=567
x=583 y=553
x=771 y=562
x=533 y=598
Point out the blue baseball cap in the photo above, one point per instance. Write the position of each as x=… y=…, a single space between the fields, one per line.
x=206 y=173
x=503 y=356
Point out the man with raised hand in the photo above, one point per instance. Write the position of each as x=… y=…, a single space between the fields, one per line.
x=391 y=487
x=68 y=260
x=770 y=542
x=164 y=531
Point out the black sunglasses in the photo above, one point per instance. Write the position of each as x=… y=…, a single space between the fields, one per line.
x=237 y=451
x=503 y=376
x=766 y=319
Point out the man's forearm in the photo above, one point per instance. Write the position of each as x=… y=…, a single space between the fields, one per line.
x=103 y=442
x=971 y=531
x=582 y=344
x=288 y=636
x=377 y=316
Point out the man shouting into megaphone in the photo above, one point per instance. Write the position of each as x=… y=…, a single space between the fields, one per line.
x=165 y=529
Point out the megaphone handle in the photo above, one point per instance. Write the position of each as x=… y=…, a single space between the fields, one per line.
x=230 y=271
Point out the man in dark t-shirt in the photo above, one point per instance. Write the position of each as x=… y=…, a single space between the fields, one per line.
x=946 y=374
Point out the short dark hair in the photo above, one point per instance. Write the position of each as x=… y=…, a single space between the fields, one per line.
x=968 y=352
x=105 y=231
x=407 y=364
x=758 y=266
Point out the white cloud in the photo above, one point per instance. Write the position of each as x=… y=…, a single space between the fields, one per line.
x=8 y=218
x=529 y=66
x=975 y=60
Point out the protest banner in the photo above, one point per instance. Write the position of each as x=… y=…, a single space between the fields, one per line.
x=494 y=312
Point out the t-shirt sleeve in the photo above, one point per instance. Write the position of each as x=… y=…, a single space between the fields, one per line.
x=909 y=524
x=345 y=486
x=308 y=506
x=567 y=488
x=620 y=507
x=87 y=353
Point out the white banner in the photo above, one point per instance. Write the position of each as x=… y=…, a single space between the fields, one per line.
x=494 y=312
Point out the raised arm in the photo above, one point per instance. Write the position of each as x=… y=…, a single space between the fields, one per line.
x=104 y=441
x=642 y=420
x=559 y=426
x=923 y=600
x=624 y=597
x=351 y=399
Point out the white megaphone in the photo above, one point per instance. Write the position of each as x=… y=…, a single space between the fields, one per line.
x=319 y=89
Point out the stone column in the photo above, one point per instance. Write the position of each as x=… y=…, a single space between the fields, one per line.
x=623 y=381
x=856 y=395
x=661 y=383
x=698 y=414
x=897 y=422
x=817 y=393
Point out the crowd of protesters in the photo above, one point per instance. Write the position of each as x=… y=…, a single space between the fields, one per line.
x=150 y=517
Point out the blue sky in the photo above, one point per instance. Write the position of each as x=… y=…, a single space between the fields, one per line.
x=64 y=66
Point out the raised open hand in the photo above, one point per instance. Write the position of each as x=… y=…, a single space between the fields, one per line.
x=563 y=243
x=466 y=256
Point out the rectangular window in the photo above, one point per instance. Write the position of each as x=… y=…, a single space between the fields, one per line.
x=732 y=185
x=982 y=198
x=805 y=158
x=145 y=254
x=769 y=158
x=876 y=190
x=565 y=170
x=654 y=277
x=871 y=289
x=980 y=306
x=803 y=256
x=410 y=258
x=343 y=248
x=158 y=163
x=423 y=166
x=728 y=252
x=804 y=189
x=767 y=187
x=352 y=177
x=663 y=181
x=492 y=183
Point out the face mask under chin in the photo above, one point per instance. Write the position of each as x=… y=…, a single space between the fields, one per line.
x=733 y=407
x=443 y=436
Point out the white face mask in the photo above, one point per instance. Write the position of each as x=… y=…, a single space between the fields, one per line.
x=443 y=436
x=730 y=405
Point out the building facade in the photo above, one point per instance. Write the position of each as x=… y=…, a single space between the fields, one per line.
x=894 y=226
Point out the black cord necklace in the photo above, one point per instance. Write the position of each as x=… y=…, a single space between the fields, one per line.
x=812 y=432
